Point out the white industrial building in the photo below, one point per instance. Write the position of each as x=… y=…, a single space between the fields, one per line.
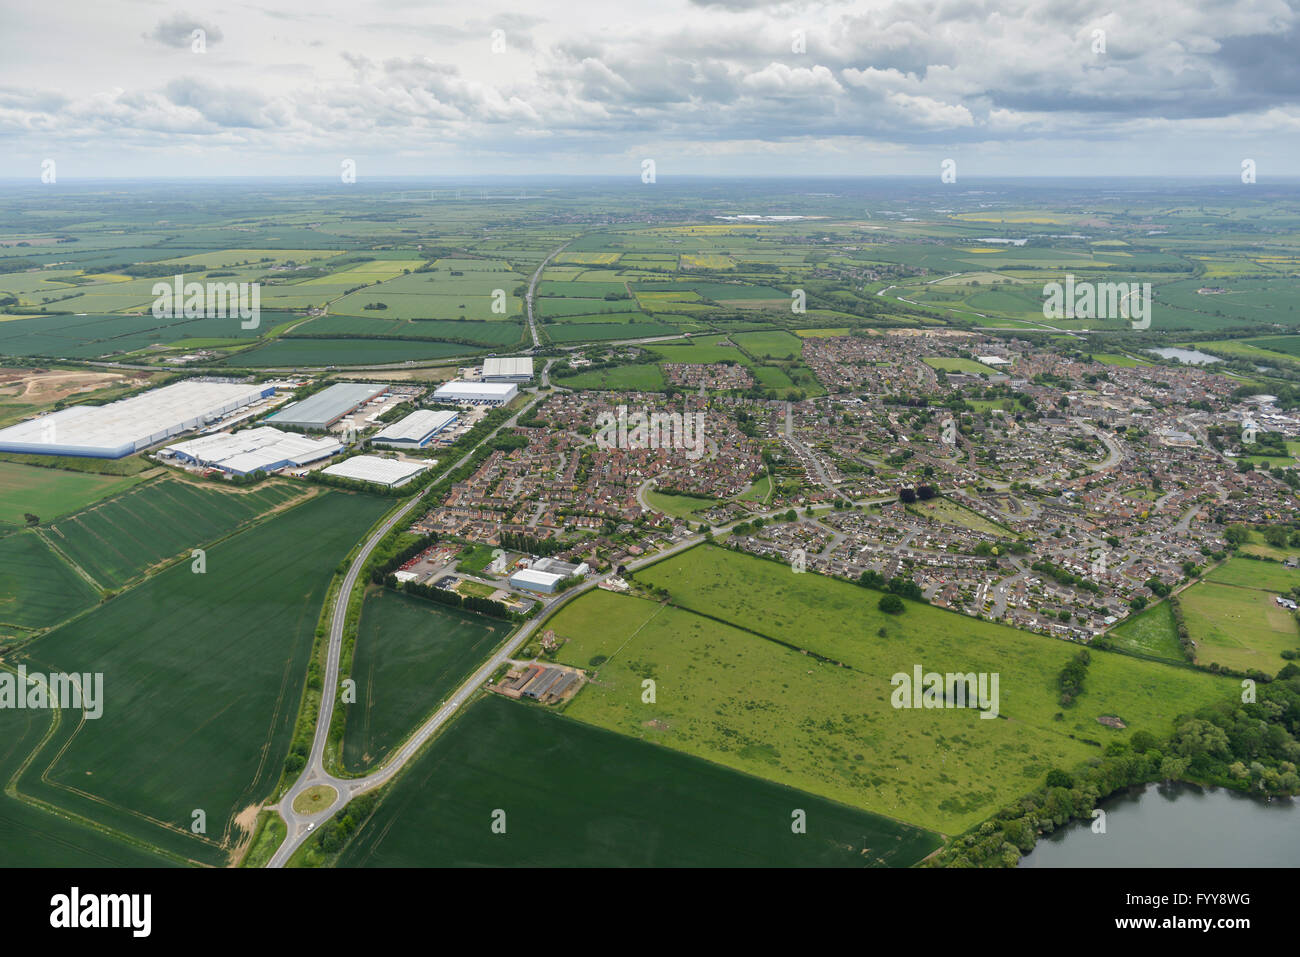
x=263 y=449
x=545 y=575
x=371 y=468
x=129 y=425
x=476 y=393
x=416 y=430
x=511 y=369
x=532 y=580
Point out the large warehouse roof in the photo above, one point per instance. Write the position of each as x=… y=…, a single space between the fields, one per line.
x=128 y=425
x=458 y=391
x=371 y=468
x=512 y=367
x=326 y=407
x=416 y=428
x=264 y=448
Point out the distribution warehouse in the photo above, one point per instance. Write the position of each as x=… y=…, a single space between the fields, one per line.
x=513 y=369
x=371 y=468
x=262 y=449
x=128 y=425
x=416 y=430
x=476 y=393
x=323 y=409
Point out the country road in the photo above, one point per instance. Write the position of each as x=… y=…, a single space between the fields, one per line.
x=532 y=289
x=314 y=773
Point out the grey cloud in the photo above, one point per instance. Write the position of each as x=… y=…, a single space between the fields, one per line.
x=178 y=31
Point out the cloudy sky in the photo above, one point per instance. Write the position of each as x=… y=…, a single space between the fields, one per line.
x=474 y=87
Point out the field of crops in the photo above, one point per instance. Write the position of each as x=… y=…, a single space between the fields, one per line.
x=37 y=587
x=118 y=540
x=203 y=674
x=410 y=654
x=577 y=796
x=34 y=837
x=345 y=352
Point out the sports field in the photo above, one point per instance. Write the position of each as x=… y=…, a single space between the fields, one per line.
x=410 y=655
x=202 y=676
x=578 y=796
x=735 y=685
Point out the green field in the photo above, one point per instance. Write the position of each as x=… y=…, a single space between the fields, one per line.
x=1239 y=627
x=1249 y=573
x=954 y=513
x=745 y=695
x=643 y=378
x=578 y=796
x=51 y=493
x=678 y=506
x=346 y=352
x=34 y=837
x=958 y=365
x=203 y=675
x=118 y=540
x=1153 y=632
x=37 y=587
x=777 y=345
x=410 y=655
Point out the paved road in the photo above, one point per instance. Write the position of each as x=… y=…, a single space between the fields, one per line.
x=532 y=288
x=314 y=773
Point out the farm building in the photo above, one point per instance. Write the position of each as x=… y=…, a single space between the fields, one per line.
x=242 y=453
x=514 y=369
x=416 y=430
x=129 y=425
x=532 y=580
x=476 y=393
x=371 y=468
x=326 y=407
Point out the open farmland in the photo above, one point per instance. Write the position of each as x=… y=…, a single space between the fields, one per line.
x=578 y=796
x=410 y=654
x=748 y=696
x=37 y=587
x=118 y=540
x=34 y=837
x=195 y=667
x=51 y=493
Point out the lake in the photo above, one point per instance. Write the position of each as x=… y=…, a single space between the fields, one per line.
x=1193 y=357
x=1178 y=825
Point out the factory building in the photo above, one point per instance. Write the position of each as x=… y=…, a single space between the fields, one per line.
x=416 y=430
x=531 y=580
x=513 y=369
x=476 y=393
x=264 y=449
x=128 y=425
x=323 y=409
x=371 y=468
